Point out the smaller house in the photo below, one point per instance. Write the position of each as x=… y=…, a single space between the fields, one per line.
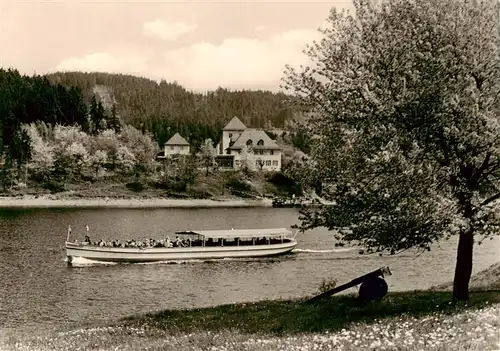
x=175 y=146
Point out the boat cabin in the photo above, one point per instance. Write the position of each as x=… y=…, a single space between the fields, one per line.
x=236 y=237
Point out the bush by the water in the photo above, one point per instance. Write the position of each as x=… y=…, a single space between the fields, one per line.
x=135 y=186
x=172 y=184
x=160 y=185
x=284 y=183
x=238 y=186
x=200 y=194
x=53 y=186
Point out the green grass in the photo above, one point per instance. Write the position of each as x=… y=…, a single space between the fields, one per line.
x=404 y=321
x=291 y=317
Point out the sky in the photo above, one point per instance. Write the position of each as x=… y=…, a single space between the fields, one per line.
x=200 y=44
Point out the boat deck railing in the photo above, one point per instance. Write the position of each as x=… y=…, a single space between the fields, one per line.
x=188 y=243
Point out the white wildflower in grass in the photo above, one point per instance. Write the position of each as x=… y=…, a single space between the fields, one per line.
x=466 y=330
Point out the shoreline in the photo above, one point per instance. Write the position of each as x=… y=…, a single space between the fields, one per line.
x=48 y=201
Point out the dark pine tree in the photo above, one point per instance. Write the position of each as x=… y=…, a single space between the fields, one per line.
x=97 y=114
x=114 y=120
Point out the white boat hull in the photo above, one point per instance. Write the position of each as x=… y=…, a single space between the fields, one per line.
x=135 y=255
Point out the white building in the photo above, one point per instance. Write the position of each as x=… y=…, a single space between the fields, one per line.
x=176 y=145
x=241 y=145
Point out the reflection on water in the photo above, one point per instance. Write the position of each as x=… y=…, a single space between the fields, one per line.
x=39 y=289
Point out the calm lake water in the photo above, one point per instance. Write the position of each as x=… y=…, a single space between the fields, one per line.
x=38 y=289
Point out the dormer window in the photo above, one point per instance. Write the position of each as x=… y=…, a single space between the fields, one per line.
x=260 y=142
x=249 y=142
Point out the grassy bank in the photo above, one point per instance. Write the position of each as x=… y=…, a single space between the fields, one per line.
x=291 y=317
x=487 y=279
x=406 y=320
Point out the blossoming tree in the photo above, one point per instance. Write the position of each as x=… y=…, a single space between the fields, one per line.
x=405 y=102
x=207 y=155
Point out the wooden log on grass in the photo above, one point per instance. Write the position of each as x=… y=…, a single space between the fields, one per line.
x=372 y=286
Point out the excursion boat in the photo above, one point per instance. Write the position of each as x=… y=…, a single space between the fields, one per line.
x=196 y=244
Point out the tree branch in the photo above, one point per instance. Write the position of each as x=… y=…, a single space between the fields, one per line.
x=490 y=199
x=495 y=166
x=479 y=171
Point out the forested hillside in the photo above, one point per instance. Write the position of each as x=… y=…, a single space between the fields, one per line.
x=48 y=131
x=165 y=108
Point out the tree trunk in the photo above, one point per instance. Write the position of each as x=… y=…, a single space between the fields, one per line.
x=463 y=268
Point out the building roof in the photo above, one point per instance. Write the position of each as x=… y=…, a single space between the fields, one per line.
x=177 y=140
x=235 y=124
x=255 y=136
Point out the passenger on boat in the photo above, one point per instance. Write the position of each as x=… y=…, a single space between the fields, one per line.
x=168 y=243
x=178 y=242
x=148 y=243
x=131 y=243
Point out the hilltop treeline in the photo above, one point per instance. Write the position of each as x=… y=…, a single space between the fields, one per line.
x=166 y=108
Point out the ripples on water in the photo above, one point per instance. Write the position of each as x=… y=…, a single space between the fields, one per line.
x=39 y=289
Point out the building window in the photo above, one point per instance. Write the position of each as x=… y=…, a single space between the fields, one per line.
x=230 y=135
x=268 y=162
x=271 y=152
x=260 y=142
x=259 y=152
x=249 y=142
x=171 y=147
x=275 y=163
x=237 y=162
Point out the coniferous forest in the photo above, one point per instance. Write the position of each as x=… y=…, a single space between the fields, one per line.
x=166 y=108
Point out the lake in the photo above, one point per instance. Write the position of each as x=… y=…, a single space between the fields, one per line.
x=38 y=289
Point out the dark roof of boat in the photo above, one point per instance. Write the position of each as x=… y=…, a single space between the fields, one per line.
x=238 y=233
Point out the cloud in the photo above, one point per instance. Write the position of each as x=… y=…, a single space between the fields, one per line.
x=233 y=63
x=169 y=31
x=105 y=62
x=237 y=61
